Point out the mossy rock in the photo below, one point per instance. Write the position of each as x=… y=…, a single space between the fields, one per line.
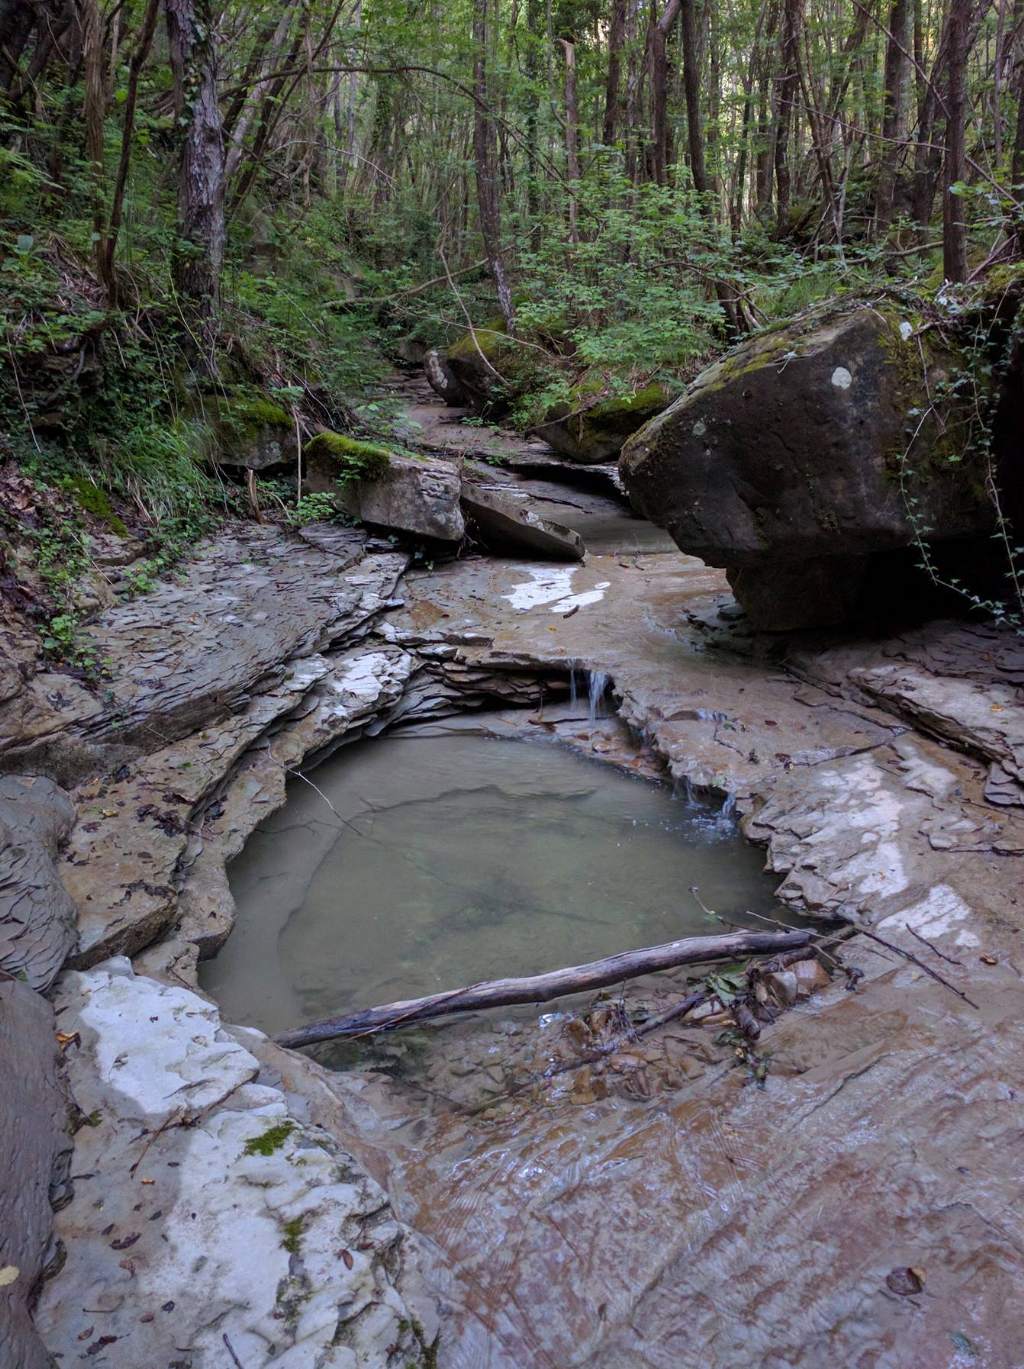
x=494 y=370
x=591 y=426
x=814 y=447
x=252 y=431
x=344 y=458
x=94 y=500
x=393 y=490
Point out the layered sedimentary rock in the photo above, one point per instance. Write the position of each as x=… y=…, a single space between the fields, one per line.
x=36 y=1145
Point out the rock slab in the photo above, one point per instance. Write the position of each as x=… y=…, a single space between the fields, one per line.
x=504 y=524
x=236 y=1234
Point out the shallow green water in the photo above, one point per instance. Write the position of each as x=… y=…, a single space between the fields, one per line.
x=455 y=858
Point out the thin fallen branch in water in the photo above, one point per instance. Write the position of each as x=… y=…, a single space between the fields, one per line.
x=909 y=955
x=541 y=988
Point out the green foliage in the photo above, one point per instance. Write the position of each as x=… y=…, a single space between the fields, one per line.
x=314 y=508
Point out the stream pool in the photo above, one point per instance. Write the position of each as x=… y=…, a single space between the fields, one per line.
x=420 y=863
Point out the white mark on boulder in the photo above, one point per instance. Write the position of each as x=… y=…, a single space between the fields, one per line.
x=699 y=428
x=906 y=330
x=935 y=915
x=841 y=378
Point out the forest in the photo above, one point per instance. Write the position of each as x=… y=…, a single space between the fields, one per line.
x=216 y=211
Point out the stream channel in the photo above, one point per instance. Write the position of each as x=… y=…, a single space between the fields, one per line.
x=434 y=857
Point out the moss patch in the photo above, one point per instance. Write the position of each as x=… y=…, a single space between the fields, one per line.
x=356 y=460
x=647 y=400
x=270 y=1141
x=93 y=500
x=292 y=1234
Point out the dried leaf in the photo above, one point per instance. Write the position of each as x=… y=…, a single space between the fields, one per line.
x=905 y=1281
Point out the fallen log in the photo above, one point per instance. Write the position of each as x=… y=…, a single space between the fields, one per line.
x=541 y=988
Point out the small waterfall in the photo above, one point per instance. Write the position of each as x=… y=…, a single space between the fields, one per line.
x=727 y=813
x=574 y=691
x=596 y=690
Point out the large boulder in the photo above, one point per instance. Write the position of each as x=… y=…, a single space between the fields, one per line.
x=493 y=370
x=505 y=524
x=404 y=493
x=442 y=379
x=810 y=457
x=591 y=428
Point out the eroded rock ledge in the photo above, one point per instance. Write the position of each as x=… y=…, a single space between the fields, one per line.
x=866 y=775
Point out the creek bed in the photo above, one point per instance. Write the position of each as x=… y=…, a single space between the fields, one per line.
x=421 y=862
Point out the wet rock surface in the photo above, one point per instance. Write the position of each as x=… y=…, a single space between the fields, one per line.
x=36 y=1142
x=782 y=462
x=659 y=1207
x=38 y=921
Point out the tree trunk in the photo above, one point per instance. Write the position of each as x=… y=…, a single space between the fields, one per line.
x=243 y=117
x=108 y=246
x=787 y=86
x=954 y=229
x=197 y=265
x=94 y=112
x=659 y=93
x=765 y=153
x=486 y=164
x=691 y=91
x=572 y=136
x=616 y=39
x=894 y=115
x=16 y=20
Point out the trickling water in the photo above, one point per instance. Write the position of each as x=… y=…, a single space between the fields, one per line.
x=574 y=687
x=597 y=688
x=443 y=860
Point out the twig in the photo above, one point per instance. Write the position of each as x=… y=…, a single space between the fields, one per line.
x=170 y=1121
x=360 y=300
x=231 y=1351
x=941 y=954
x=909 y=955
x=502 y=993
